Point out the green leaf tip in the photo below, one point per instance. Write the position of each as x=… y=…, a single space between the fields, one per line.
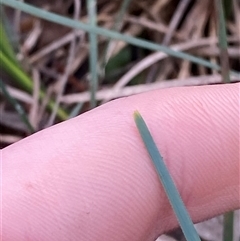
x=166 y=180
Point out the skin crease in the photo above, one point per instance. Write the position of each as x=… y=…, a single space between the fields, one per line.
x=90 y=178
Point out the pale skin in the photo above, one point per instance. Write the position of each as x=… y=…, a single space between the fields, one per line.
x=90 y=178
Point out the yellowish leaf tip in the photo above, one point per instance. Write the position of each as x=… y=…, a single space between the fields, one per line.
x=136 y=115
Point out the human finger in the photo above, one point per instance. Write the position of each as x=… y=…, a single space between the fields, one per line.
x=90 y=178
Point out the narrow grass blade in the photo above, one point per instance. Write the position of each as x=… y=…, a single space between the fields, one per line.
x=117 y=26
x=228 y=226
x=167 y=181
x=10 y=64
x=25 y=82
x=19 y=76
x=228 y=8
x=107 y=33
x=91 y=4
x=5 y=45
x=17 y=106
x=76 y=110
x=224 y=58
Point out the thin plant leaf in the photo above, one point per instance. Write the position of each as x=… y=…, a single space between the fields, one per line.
x=91 y=4
x=17 y=107
x=18 y=74
x=5 y=45
x=228 y=8
x=9 y=63
x=228 y=225
x=167 y=181
x=108 y=33
x=76 y=110
x=117 y=26
x=224 y=58
x=23 y=80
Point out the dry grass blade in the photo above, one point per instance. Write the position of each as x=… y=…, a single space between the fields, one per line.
x=108 y=93
x=71 y=56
